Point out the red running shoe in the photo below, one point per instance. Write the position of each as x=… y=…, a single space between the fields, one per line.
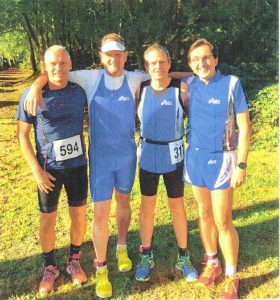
x=75 y=270
x=50 y=274
x=230 y=288
x=210 y=274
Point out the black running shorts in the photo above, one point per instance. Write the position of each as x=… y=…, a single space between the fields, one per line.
x=75 y=182
x=173 y=182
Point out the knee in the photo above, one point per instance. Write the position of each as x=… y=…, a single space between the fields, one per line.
x=223 y=224
x=206 y=215
x=100 y=216
x=146 y=210
x=176 y=207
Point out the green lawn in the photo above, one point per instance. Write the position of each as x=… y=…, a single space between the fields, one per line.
x=255 y=216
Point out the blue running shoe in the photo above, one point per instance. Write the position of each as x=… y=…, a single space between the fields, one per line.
x=143 y=270
x=184 y=264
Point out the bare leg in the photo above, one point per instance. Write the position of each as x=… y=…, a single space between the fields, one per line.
x=207 y=226
x=177 y=208
x=123 y=215
x=78 y=224
x=47 y=231
x=228 y=236
x=146 y=219
x=100 y=230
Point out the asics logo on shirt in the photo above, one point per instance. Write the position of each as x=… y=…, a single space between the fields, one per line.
x=123 y=98
x=214 y=101
x=165 y=102
x=212 y=161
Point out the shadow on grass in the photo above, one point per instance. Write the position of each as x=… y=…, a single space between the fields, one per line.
x=8 y=103
x=3 y=90
x=259 y=242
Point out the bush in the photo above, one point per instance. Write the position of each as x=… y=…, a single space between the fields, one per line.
x=265 y=119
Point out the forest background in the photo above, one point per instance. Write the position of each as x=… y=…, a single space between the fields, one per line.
x=246 y=33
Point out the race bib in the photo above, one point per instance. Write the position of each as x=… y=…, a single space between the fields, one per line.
x=176 y=151
x=68 y=148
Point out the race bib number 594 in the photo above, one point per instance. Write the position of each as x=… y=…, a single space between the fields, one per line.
x=176 y=151
x=68 y=148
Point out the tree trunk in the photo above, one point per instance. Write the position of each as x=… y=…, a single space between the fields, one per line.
x=32 y=55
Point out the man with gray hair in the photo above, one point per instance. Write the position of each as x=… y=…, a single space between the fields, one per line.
x=60 y=159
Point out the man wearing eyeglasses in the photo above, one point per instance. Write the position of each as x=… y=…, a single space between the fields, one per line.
x=217 y=104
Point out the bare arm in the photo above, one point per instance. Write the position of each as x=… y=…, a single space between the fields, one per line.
x=180 y=75
x=185 y=95
x=34 y=97
x=43 y=178
x=243 y=123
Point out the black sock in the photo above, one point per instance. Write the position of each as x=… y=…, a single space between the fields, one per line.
x=183 y=252
x=49 y=258
x=74 y=250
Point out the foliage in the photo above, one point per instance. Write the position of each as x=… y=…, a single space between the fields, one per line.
x=265 y=118
x=244 y=30
x=14 y=46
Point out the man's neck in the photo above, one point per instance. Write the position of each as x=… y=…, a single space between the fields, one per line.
x=160 y=84
x=114 y=75
x=57 y=85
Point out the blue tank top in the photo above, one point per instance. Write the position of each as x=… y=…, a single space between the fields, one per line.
x=112 y=123
x=162 y=121
x=59 y=127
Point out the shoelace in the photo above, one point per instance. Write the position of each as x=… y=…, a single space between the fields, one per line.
x=208 y=271
x=229 y=285
x=48 y=275
x=101 y=276
x=185 y=260
x=144 y=262
x=75 y=266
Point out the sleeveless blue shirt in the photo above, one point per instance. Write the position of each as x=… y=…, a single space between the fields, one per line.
x=111 y=117
x=161 y=115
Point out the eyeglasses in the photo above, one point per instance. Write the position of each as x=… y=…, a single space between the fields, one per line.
x=196 y=59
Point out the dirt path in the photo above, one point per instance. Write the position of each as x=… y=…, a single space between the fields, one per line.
x=12 y=84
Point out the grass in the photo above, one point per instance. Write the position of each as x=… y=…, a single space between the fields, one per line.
x=255 y=212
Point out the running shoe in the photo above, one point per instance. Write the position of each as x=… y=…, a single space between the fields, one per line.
x=50 y=274
x=74 y=269
x=103 y=287
x=230 y=288
x=210 y=274
x=124 y=262
x=143 y=270
x=184 y=264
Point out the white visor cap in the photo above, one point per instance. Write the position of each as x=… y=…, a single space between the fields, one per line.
x=112 y=45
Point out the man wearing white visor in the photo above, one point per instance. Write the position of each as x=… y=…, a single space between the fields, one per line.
x=112 y=150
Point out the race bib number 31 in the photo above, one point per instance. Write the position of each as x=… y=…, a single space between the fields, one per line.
x=176 y=151
x=68 y=148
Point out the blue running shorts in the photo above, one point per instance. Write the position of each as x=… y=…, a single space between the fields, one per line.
x=104 y=178
x=209 y=169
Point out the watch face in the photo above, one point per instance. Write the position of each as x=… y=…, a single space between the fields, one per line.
x=242 y=165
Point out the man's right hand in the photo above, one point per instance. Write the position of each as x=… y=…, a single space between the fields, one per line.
x=44 y=181
x=34 y=97
x=32 y=100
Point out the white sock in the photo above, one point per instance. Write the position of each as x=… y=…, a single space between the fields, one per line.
x=121 y=246
x=230 y=270
x=103 y=267
x=211 y=261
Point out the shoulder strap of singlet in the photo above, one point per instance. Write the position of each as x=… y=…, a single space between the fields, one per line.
x=101 y=72
x=177 y=84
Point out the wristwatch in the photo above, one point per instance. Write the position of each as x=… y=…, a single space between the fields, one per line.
x=242 y=165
